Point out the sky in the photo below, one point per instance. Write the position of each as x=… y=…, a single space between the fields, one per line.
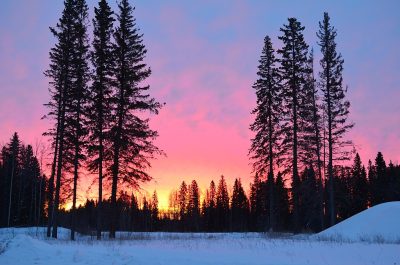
x=204 y=57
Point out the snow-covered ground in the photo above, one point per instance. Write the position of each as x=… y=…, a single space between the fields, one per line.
x=380 y=223
x=29 y=246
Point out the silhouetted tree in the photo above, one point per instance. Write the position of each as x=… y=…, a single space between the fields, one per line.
x=100 y=102
x=336 y=106
x=61 y=79
x=75 y=124
x=132 y=138
x=359 y=186
x=154 y=211
x=311 y=142
x=282 y=203
x=222 y=206
x=239 y=207
x=265 y=145
x=193 y=206
x=183 y=198
x=293 y=69
x=308 y=204
x=257 y=205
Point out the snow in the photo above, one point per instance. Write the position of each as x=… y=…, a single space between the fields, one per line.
x=380 y=223
x=347 y=245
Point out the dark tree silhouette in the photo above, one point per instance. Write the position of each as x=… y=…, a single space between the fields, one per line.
x=359 y=186
x=222 y=206
x=61 y=78
x=336 y=106
x=265 y=145
x=99 y=108
x=282 y=203
x=293 y=70
x=76 y=128
x=132 y=138
x=239 y=207
x=311 y=142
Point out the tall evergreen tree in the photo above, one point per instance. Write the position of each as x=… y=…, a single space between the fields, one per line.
x=265 y=145
x=311 y=127
x=99 y=107
x=132 y=138
x=76 y=128
x=336 y=106
x=61 y=78
x=293 y=69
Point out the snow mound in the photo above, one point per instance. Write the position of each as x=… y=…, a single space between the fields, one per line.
x=380 y=223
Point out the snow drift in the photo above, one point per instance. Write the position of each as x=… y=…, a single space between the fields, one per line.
x=380 y=223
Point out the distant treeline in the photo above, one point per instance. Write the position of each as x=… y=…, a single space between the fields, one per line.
x=357 y=188
x=25 y=197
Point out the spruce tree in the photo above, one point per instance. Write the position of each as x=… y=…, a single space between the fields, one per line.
x=154 y=211
x=222 y=207
x=193 y=206
x=311 y=143
x=99 y=107
x=182 y=198
x=378 y=180
x=265 y=145
x=132 y=138
x=359 y=186
x=61 y=78
x=308 y=204
x=336 y=106
x=11 y=157
x=76 y=128
x=257 y=205
x=282 y=203
x=239 y=207
x=293 y=70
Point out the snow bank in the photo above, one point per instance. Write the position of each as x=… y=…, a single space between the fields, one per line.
x=24 y=250
x=380 y=223
x=195 y=249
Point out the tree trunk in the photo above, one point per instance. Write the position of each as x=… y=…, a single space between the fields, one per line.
x=59 y=162
x=271 y=173
x=332 y=217
x=11 y=187
x=76 y=167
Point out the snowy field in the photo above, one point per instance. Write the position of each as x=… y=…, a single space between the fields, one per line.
x=367 y=238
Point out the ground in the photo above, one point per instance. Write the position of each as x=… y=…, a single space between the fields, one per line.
x=358 y=240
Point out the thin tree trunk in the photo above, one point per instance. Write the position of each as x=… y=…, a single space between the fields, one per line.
x=100 y=201
x=116 y=170
x=271 y=173
x=59 y=163
x=76 y=167
x=51 y=188
x=11 y=187
x=319 y=162
x=330 y=150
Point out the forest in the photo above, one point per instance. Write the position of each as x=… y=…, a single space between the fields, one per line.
x=307 y=174
x=190 y=209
